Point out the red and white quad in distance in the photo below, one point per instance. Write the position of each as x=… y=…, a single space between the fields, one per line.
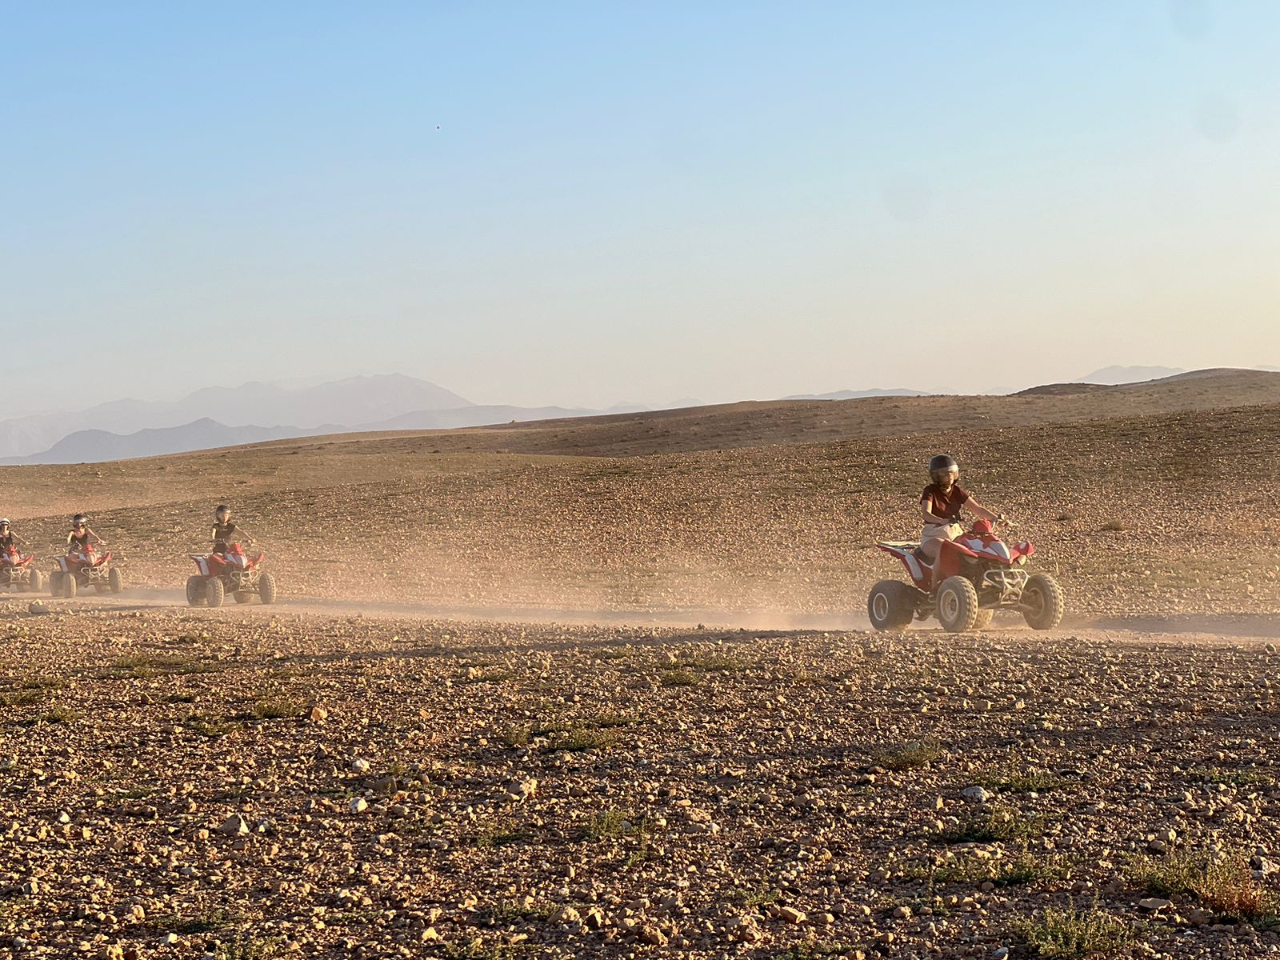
x=82 y=569
x=233 y=572
x=974 y=576
x=17 y=571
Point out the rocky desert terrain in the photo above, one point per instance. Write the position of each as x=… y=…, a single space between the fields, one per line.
x=605 y=688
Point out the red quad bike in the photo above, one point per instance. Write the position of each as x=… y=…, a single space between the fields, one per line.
x=82 y=569
x=17 y=571
x=233 y=572
x=975 y=575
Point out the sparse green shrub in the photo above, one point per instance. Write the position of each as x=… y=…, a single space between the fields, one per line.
x=908 y=756
x=1074 y=933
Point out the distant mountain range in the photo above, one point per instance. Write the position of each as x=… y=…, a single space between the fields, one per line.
x=349 y=401
x=226 y=416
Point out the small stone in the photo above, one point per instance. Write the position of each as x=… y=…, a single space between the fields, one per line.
x=234 y=826
x=566 y=915
x=38 y=607
x=319 y=714
x=359 y=805
x=902 y=912
x=1154 y=903
x=792 y=915
x=360 y=765
x=976 y=794
x=652 y=935
x=31 y=887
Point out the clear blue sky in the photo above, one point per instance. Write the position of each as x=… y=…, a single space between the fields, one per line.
x=582 y=203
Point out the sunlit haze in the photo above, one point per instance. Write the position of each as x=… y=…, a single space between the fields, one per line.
x=587 y=203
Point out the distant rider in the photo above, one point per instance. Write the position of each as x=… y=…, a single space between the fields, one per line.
x=225 y=530
x=81 y=536
x=940 y=506
x=9 y=541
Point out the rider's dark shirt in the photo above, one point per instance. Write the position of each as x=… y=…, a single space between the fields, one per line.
x=80 y=542
x=945 y=505
x=8 y=542
x=222 y=534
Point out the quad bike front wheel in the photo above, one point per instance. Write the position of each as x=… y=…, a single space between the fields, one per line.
x=115 y=580
x=957 y=605
x=36 y=583
x=215 y=592
x=267 y=588
x=1042 y=602
x=55 y=583
x=983 y=619
x=195 y=591
x=70 y=586
x=891 y=605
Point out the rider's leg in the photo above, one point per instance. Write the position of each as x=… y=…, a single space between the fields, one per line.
x=933 y=538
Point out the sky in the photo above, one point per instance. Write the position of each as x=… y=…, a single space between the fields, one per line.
x=587 y=203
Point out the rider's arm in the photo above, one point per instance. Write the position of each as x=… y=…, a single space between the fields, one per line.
x=245 y=533
x=95 y=536
x=929 y=518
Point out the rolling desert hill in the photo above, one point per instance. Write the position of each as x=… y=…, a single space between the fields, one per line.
x=748 y=424
x=691 y=518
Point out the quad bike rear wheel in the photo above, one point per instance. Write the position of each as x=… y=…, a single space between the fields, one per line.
x=1042 y=602
x=115 y=580
x=36 y=583
x=195 y=591
x=215 y=592
x=267 y=588
x=957 y=605
x=891 y=605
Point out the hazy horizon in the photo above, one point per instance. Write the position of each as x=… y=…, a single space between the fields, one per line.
x=581 y=205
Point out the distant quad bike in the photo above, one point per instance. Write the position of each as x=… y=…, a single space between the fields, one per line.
x=18 y=572
x=975 y=575
x=81 y=569
x=234 y=573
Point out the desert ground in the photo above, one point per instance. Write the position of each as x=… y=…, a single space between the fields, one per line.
x=606 y=688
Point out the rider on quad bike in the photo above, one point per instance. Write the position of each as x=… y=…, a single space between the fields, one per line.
x=82 y=566
x=940 y=506
x=961 y=577
x=228 y=569
x=225 y=530
x=8 y=539
x=16 y=570
x=80 y=537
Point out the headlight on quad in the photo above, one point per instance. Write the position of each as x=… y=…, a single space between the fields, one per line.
x=1021 y=561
